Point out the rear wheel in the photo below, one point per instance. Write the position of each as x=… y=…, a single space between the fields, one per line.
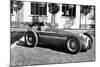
x=73 y=44
x=31 y=38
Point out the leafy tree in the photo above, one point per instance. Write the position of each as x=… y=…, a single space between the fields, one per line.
x=53 y=9
x=85 y=10
x=15 y=5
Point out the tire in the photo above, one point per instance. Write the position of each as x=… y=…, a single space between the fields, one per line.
x=73 y=44
x=31 y=39
x=90 y=41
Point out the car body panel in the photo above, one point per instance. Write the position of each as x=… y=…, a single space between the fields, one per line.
x=57 y=38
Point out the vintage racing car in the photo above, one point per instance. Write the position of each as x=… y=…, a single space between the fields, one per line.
x=72 y=42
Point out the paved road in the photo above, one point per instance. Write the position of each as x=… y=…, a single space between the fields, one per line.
x=31 y=56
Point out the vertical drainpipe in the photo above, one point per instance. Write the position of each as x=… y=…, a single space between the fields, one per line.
x=80 y=18
x=22 y=13
x=78 y=15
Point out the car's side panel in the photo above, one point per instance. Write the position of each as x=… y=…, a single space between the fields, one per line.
x=52 y=39
x=47 y=39
x=55 y=38
x=60 y=41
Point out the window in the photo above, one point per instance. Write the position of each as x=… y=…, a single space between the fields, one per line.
x=11 y=7
x=38 y=8
x=69 y=10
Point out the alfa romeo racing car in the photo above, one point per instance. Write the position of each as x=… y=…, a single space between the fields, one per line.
x=72 y=42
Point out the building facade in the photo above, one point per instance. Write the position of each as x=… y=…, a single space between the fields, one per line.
x=69 y=16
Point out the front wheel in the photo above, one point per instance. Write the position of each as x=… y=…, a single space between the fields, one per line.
x=31 y=38
x=73 y=44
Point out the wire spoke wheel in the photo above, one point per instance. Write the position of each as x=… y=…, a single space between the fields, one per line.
x=31 y=39
x=73 y=44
